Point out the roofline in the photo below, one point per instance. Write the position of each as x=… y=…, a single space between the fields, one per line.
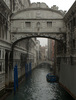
x=29 y=9
x=70 y=11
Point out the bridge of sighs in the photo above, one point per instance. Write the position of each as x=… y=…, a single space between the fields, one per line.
x=37 y=22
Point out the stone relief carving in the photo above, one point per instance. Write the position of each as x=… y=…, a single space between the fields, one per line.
x=48 y=35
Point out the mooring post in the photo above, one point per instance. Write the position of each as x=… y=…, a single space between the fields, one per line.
x=14 y=80
x=17 y=76
x=30 y=67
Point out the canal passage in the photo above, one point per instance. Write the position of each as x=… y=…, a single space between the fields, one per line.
x=37 y=88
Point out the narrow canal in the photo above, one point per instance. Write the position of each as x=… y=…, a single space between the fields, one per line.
x=37 y=88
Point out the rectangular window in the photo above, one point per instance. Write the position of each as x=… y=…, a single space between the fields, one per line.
x=28 y=24
x=6 y=31
x=0 y=66
x=3 y=32
x=49 y=24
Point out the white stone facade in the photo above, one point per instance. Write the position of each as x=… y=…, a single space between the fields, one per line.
x=6 y=70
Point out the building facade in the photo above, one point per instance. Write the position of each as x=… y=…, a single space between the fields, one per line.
x=24 y=51
x=37 y=50
x=51 y=44
x=66 y=53
x=43 y=53
x=5 y=42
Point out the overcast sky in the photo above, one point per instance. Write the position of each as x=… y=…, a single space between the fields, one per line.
x=62 y=4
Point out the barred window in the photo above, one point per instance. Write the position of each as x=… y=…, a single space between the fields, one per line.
x=28 y=24
x=49 y=24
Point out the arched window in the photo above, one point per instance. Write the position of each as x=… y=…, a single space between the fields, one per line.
x=38 y=24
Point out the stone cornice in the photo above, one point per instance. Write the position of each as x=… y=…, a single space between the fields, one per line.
x=37 y=19
x=6 y=42
x=37 y=33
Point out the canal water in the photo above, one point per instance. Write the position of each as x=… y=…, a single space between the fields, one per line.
x=37 y=88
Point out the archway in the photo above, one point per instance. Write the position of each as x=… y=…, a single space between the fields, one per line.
x=29 y=37
x=6 y=68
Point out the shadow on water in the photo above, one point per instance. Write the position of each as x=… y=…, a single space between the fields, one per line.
x=37 y=88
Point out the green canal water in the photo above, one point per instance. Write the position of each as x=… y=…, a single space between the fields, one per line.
x=37 y=88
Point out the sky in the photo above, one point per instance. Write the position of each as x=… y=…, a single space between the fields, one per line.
x=43 y=41
x=62 y=4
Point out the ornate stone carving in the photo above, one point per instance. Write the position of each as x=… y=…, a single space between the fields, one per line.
x=55 y=36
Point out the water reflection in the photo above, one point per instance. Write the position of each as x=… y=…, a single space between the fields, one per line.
x=37 y=88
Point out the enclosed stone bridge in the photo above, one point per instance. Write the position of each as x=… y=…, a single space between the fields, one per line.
x=37 y=22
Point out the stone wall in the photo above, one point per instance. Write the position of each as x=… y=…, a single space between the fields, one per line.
x=68 y=77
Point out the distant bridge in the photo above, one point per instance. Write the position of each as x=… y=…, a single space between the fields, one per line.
x=46 y=62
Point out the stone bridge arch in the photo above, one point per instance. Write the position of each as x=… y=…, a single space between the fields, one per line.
x=46 y=62
x=37 y=22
